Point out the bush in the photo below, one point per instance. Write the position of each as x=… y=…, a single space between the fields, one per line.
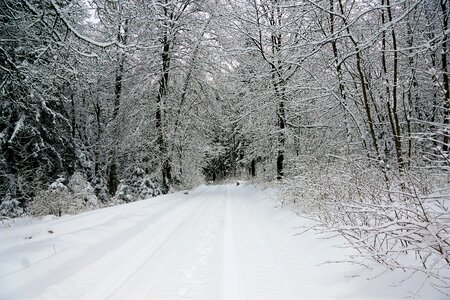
x=77 y=196
x=10 y=207
x=400 y=220
x=81 y=189
x=100 y=189
x=138 y=187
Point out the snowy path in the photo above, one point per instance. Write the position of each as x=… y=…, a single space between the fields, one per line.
x=216 y=242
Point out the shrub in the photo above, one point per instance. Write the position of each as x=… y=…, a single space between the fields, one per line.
x=10 y=207
x=139 y=186
x=77 y=196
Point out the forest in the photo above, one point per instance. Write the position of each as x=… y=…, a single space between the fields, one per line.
x=343 y=104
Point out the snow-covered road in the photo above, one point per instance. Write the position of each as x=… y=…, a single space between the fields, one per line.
x=215 y=242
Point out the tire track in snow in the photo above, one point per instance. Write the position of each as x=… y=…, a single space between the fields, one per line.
x=117 y=264
x=265 y=256
x=82 y=221
x=163 y=261
x=80 y=258
x=195 y=256
x=231 y=266
x=103 y=229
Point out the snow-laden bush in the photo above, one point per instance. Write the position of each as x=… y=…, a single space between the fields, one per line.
x=56 y=200
x=60 y=198
x=100 y=189
x=10 y=207
x=81 y=189
x=138 y=187
x=123 y=194
x=399 y=220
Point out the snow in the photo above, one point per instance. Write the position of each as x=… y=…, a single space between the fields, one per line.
x=17 y=128
x=216 y=242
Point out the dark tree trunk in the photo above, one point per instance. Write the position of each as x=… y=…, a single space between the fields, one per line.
x=74 y=123
x=342 y=94
x=363 y=83
x=412 y=94
x=98 y=111
x=279 y=86
x=253 y=168
x=445 y=77
x=281 y=140
x=113 y=180
x=392 y=107
x=166 y=169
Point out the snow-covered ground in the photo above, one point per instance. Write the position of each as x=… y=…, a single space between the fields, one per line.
x=216 y=242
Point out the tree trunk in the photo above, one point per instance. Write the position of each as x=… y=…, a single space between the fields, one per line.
x=278 y=84
x=341 y=88
x=362 y=80
x=253 y=168
x=281 y=140
x=166 y=169
x=113 y=180
x=392 y=107
x=413 y=89
x=445 y=77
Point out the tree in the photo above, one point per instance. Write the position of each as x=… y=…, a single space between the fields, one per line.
x=35 y=126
